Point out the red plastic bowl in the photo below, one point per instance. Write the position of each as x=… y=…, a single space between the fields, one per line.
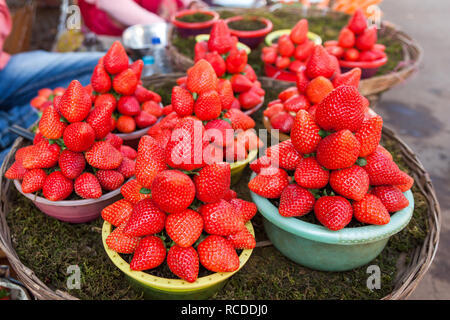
x=251 y=38
x=368 y=68
x=187 y=29
x=279 y=74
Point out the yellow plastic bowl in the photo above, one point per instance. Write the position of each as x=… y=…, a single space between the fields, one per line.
x=237 y=168
x=162 y=288
x=240 y=45
x=276 y=34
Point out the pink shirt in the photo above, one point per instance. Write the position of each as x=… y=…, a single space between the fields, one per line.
x=5 y=29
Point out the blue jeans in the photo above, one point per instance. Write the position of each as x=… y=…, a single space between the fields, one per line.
x=28 y=72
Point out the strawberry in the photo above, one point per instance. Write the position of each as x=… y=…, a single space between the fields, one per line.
x=125 y=83
x=33 y=180
x=236 y=61
x=341 y=109
x=358 y=22
x=16 y=171
x=100 y=80
x=213 y=154
x=303 y=51
x=282 y=121
x=143 y=95
x=114 y=140
x=301 y=81
x=269 y=56
x=220 y=38
x=218 y=254
x=104 y=156
x=269 y=183
x=220 y=132
x=110 y=179
x=299 y=34
x=42 y=155
x=38 y=137
x=185 y=227
x=282 y=62
x=249 y=99
x=334 y=212
x=409 y=182
x=216 y=62
x=383 y=171
x=352 y=183
x=131 y=191
x=240 y=83
x=87 y=186
x=391 y=197
x=367 y=39
x=163 y=137
x=22 y=152
x=295 y=201
x=150 y=253
x=367 y=56
x=226 y=94
x=212 y=182
x=229 y=195
x=249 y=73
x=339 y=150
x=208 y=106
x=296 y=103
x=285 y=46
x=220 y=218
x=145 y=120
x=120 y=242
x=284 y=154
x=183 y=262
x=310 y=174
x=127 y=168
x=149 y=162
x=145 y=219
x=128 y=152
x=126 y=124
x=242 y=239
x=383 y=151
x=128 y=105
x=236 y=152
x=50 y=125
x=72 y=163
x=351 y=54
x=371 y=210
x=79 y=136
x=297 y=66
x=75 y=103
x=201 y=77
x=260 y=163
x=369 y=135
x=247 y=210
x=319 y=64
x=305 y=133
x=57 y=187
x=182 y=101
x=288 y=93
x=336 y=51
x=318 y=89
x=346 y=38
x=116 y=59
x=106 y=101
x=239 y=120
x=137 y=68
x=350 y=78
x=153 y=108
x=200 y=50
x=249 y=139
x=118 y=213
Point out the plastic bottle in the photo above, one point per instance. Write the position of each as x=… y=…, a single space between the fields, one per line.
x=149 y=66
x=159 y=54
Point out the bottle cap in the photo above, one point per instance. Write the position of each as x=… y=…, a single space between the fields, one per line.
x=148 y=60
x=156 y=40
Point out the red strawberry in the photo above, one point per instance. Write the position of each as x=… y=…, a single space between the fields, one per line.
x=72 y=163
x=282 y=121
x=350 y=78
x=339 y=150
x=285 y=46
x=408 y=185
x=299 y=34
x=367 y=39
x=57 y=187
x=200 y=50
x=242 y=239
x=288 y=93
x=284 y=154
x=173 y=191
x=383 y=171
x=87 y=186
x=137 y=68
x=145 y=219
x=240 y=83
x=247 y=210
x=346 y=38
x=114 y=140
x=220 y=38
x=75 y=103
x=310 y=174
x=296 y=103
x=302 y=81
x=163 y=137
x=100 y=80
x=304 y=50
x=116 y=59
x=100 y=120
x=369 y=135
x=104 y=156
x=305 y=133
x=16 y=171
x=229 y=195
x=318 y=89
x=236 y=61
x=131 y=191
x=319 y=64
x=282 y=62
x=201 y=77
x=110 y=179
x=118 y=213
x=371 y=210
x=249 y=73
x=185 y=227
x=226 y=94
x=125 y=83
x=128 y=152
x=249 y=99
x=383 y=151
x=106 y=101
x=183 y=262
x=79 y=136
x=391 y=197
x=120 y=242
x=336 y=51
x=38 y=137
x=143 y=94
x=218 y=254
x=352 y=183
x=297 y=66
x=182 y=101
x=128 y=105
x=260 y=163
x=42 y=155
x=220 y=132
x=295 y=201
x=145 y=120
x=220 y=218
x=150 y=253
x=50 y=125
x=212 y=182
x=33 y=180
x=216 y=62
x=150 y=161
x=341 y=109
x=367 y=56
x=127 y=168
x=236 y=152
x=208 y=106
x=269 y=55
x=334 y=212
x=351 y=54
x=153 y=108
x=358 y=22
x=126 y=124
x=270 y=183
x=239 y=120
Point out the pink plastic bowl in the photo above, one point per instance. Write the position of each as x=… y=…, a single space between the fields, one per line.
x=368 y=68
x=73 y=211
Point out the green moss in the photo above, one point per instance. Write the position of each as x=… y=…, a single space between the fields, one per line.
x=48 y=247
x=196 y=17
x=247 y=24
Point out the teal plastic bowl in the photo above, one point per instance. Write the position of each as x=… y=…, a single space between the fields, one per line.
x=318 y=248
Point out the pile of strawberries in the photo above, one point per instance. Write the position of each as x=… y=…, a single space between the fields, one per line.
x=339 y=169
x=117 y=84
x=357 y=41
x=228 y=134
x=45 y=97
x=73 y=150
x=230 y=65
